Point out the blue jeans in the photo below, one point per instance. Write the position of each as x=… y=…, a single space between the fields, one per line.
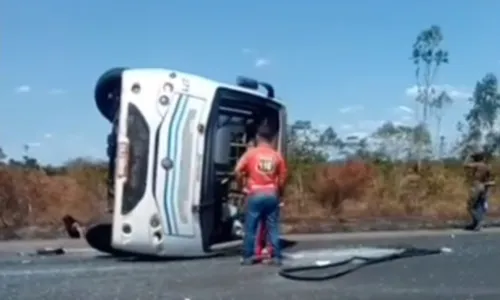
x=478 y=204
x=262 y=207
x=479 y=209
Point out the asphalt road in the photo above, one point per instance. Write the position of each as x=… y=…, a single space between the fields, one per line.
x=469 y=272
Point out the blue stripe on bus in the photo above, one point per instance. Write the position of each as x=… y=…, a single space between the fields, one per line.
x=170 y=144
x=174 y=187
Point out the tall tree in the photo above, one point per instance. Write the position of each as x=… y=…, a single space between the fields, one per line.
x=480 y=132
x=427 y=56
x=437 y=106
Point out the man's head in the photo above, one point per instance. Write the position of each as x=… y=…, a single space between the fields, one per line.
x=250 y=144
x=265 y=134
x=478 y=156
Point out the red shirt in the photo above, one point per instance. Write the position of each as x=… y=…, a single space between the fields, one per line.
x=264 y=168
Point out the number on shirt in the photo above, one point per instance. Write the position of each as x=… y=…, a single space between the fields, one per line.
x=266 y=165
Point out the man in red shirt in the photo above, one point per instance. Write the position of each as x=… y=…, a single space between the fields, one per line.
x=263 y=170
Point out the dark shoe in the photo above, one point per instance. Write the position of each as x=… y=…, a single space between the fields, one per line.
x=471 y=226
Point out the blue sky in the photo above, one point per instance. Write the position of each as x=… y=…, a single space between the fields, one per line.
x=339 y=63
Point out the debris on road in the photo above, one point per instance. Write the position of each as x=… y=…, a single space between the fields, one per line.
x=44 y=252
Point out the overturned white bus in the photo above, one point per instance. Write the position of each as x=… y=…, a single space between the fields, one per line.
x=175 y=140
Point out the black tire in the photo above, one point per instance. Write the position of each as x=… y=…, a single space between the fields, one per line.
x=98 y=236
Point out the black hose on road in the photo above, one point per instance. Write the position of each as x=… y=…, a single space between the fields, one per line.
x=356 y=262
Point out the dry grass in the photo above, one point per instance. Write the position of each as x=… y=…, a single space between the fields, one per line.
x=354 y=190
x=360 y=190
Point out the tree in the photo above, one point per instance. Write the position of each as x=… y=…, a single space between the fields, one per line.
x=303 y=144
x=394 y=142
x=479 y=132
x=437 y=106
x=3 y=156
x=355 y=147
x=423 y=139
x=442 y=146
x=27 y=162
x=427 y=56
x=330 y=142
x=307 y=144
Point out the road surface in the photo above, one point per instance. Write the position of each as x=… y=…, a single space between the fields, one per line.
x=469 y=272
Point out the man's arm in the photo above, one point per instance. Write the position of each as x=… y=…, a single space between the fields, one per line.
x=241 y=168
x=491 y=178
x=467 y=162
x=282 y=174
x=472 y=164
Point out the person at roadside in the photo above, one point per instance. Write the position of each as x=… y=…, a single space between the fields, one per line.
x=263 y=171
x=481 y=181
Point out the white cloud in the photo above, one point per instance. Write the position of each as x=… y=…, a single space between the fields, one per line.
x=349 y=109
x=48 y=135
x=405 y=109
x=262 y=62
x=23 y=89
x=454 y=92
x=57 y=91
